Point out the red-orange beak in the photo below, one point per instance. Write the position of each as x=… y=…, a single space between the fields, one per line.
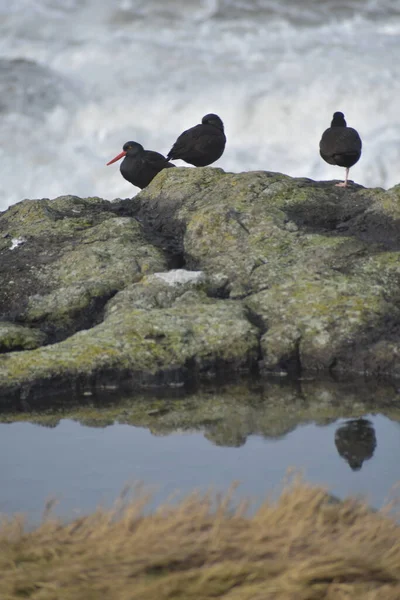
x=121 y=155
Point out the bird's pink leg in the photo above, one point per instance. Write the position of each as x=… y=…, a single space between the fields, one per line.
x=344 y=183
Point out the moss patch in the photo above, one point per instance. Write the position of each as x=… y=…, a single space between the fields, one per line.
x=16 y=337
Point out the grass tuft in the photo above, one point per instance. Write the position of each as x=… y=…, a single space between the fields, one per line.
x=302 y=547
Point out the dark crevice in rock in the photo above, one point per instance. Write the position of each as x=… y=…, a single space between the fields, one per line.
x=219 y=292
x=95 y=315
x=92 y=315
x=5 y=348
x=332 y=366
x=256 y=320
x=158 y=229
x=291 y=363
x=191 y=263
x=175 y=261
x=169 y=242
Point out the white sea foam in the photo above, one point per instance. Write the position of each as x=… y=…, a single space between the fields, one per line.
x=146 y=70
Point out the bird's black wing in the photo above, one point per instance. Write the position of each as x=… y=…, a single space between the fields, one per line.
x=195 y=142
x=186 y=141
x=157 y=160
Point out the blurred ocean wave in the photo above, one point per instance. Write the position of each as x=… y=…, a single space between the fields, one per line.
x=78 y=78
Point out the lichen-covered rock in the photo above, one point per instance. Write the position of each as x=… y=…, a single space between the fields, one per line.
x=317 y=266
x=287 y=274
x=140 y=347
x=16 y=337
x=323 y=324
x=61 y=260
x=257 y=227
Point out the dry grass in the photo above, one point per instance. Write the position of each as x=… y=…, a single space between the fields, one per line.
x=301 y=548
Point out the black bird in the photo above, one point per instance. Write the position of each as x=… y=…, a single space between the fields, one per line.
x=340 y=145
x=140 y=166
x=202 y=144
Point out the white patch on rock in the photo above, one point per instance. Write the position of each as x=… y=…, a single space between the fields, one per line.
x=15 y=242
x=180 y=277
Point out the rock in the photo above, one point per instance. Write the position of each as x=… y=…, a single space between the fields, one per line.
x=285 y=274
x=16 y=337
x=61 y=260
x=140 y=347
x=318 y=269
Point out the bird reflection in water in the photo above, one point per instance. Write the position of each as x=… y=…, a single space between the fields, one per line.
x=355 y=441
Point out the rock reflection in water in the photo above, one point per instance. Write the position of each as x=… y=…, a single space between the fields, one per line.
x=254 y=430
x=355 y=441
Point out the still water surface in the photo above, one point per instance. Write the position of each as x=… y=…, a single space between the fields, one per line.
x=84 y=466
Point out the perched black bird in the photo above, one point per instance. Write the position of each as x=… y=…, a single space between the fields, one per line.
x=202 y=144
x=140 y=166
x=340 y=145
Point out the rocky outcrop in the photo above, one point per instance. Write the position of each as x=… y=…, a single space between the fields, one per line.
x=316 y=266
x=275 y=274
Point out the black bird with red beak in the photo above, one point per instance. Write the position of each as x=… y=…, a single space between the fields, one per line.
x=140 y=166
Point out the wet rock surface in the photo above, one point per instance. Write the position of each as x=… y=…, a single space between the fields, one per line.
x=202 y=272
